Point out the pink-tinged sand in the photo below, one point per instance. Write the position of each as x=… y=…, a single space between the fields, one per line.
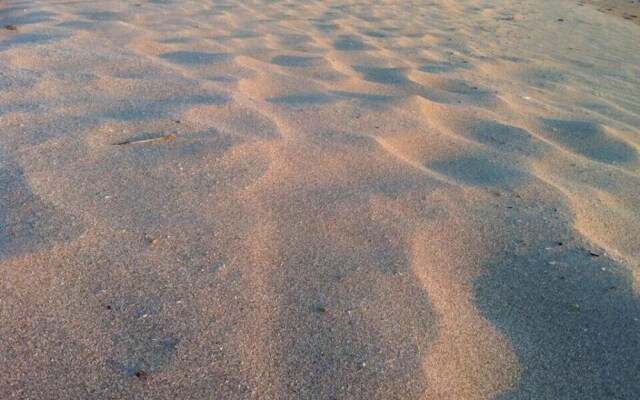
x=319 y=200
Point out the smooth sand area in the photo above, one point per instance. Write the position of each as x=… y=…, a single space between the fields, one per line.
x=319 y=199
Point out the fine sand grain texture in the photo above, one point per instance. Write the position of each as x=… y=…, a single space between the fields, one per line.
x=627 y=9
x=319 y=199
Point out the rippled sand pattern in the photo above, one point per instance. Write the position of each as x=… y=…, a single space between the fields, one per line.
x=319 y=199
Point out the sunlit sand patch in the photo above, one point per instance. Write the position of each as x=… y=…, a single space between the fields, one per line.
x=319 y=199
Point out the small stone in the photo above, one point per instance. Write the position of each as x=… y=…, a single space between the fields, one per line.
x=141 y=374
x=319 y=309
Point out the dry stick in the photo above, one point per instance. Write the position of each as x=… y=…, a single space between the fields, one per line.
x=168 y=138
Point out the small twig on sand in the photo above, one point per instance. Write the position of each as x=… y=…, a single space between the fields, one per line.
x=165 y=138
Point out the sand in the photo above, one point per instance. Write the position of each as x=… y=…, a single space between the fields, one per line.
x=319 y=200
x=627 y=9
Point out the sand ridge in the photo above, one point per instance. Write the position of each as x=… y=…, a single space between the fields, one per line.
x=319 y=199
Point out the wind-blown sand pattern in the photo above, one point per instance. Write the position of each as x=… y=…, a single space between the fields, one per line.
x=319 y=199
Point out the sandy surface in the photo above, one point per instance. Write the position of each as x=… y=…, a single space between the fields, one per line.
x=627 y=9
x=319 y=199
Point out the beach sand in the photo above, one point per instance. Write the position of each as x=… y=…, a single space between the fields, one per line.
x=627 y=9
x=319 y=200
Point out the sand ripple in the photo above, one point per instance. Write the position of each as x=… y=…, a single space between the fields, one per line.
x=430 y=200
